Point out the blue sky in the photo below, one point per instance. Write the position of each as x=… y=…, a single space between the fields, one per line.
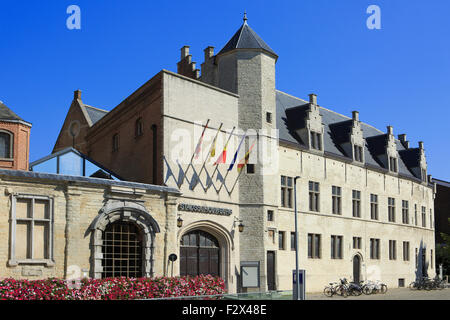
x=399 y=75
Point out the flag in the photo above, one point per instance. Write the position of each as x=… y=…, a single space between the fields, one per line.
x=223 y=156
x=236 y=154
x=199 y=144
x=213 y=148
x=244 y=161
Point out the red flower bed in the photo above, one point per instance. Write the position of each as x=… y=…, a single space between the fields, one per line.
x=111 y=288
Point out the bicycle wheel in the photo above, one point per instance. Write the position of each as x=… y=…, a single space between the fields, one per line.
x=413 y=285
x=328 y=292
x=367 y=290
x=356 y=291
x=383 y=288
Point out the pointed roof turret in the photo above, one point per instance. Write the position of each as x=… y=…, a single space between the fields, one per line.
x=246 y=38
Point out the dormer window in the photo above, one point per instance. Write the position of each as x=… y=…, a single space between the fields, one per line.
x=424 y=175
x=316 y=140
x=358 y=153
x=393 y=164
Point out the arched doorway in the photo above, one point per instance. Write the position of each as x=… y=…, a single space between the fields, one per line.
x=122 y=250
x=356 y=268
x=199 y=254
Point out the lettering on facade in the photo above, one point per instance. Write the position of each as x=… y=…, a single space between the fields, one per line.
x=204 y=209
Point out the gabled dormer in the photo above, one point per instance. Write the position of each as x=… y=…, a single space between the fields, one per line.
x=305 y=124
x=348 y=136
x=314 y=125
x=414 y=159
x=384 y=150
x=357 y=139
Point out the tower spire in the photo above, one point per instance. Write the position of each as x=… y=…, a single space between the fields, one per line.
x=245 y=17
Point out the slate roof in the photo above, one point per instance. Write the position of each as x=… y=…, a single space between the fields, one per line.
x=79 y=179
x=336 y=127
x=246 y=38
x=7 y=114
x=95 y=114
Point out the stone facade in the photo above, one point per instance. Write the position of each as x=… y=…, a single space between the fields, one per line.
x=236 y=91
x=80 y=211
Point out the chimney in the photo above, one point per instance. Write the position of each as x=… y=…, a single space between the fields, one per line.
x=313 y=98
x=209 y=53
x=184 y=52
x=402 y=138
x=77 y=95
x=390 y=130
x=355 y=115
x=421 y=145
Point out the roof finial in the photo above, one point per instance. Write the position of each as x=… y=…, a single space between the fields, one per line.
x=245 y=17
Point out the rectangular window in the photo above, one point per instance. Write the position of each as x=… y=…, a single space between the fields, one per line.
x=393 y=164
x=336 y=200
x=424 y=218
x=392 y=250
x=314 y=193
x=405 y=212
x=431 y=219
x=356 y=242
x=424 y=175
x=358 y=153
x=250 y=168
x=281 y=240
x=115 y=142
x=287 y=189
x=32 y=229
x=391 y=209
x=336 y=247
x=356 y=203
x=415 y=214
x=269 y=215
x=269 y=117
x=316 y=140
x=314 y=244
x=374 y=207
x=374 y=248
x=293 y=242
x=405 y=250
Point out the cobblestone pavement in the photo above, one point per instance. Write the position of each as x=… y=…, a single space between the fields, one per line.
x=392 y=294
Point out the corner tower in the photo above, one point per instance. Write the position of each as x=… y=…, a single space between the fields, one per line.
x=246 y=66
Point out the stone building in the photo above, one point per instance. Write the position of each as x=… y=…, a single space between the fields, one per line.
x=364 y=199
x=70 y=223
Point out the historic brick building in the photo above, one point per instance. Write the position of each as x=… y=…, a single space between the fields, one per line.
x=365 y=201
x=14 y=140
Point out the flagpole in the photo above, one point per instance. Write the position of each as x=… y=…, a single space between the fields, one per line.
x=217 y=165
x=233 y=162
x=246 y=159
x=209 y=153
x=195 y=151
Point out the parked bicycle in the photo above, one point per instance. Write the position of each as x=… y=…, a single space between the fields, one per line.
x=373 y=287
x=425 y=283
x=343 y=288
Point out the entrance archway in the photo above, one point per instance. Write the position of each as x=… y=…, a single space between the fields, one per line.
x=122 y=250
x=356 y=268
x=199 y=254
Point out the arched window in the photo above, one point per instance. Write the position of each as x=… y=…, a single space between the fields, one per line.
x=139 y=128
x=199 y=254
x=6 y=142
x=122 y=250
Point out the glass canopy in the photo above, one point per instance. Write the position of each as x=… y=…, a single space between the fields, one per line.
x=71 y=162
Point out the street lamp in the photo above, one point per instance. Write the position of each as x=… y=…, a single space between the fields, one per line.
x=179 y=222
x=297 y=282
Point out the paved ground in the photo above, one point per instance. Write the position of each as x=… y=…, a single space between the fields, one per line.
x=392 y=294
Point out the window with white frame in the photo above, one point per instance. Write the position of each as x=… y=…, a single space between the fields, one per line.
x=31 y=229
